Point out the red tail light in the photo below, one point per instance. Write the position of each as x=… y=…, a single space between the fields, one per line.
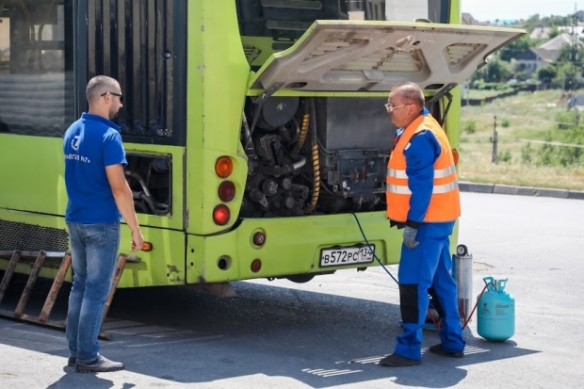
x=256 y=265
x=221 y=215
x=226 y=191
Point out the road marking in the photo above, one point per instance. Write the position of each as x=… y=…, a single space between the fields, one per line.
x=175 y=341
x=330 y=373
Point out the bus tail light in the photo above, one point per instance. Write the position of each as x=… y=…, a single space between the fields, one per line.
x=455 y=156
x=221 y=215
x=224 y=167
x=256 y=265
x=147 y=246
x=226 y=191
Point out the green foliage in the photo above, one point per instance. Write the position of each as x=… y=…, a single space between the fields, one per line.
x=505 y=123
x=564 y=154
x=526 y=154
x=504 y=156
x=470 y=127
x=567 y=76
x=567 y=119
x=567 y=155
x=547 y=73
x=516 y=48
x=497 y=71
x=545 y=155
x=554 y=32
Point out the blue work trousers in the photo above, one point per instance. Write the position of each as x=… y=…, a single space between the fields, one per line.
x=428 y=264
x=94 y=251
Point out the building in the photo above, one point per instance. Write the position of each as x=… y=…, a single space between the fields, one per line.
x=536 y=57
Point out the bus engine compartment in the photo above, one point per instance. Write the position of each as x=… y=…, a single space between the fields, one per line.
x=320 y=155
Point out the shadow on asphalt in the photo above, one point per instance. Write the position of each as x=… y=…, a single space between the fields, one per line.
x=187 y=335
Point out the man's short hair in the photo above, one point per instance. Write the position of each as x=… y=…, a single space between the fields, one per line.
x=99 y=85
x=411 y=92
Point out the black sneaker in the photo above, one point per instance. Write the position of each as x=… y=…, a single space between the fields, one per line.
x=437 y=349
x=101 y=364
x=395 y=360
x=72 y=361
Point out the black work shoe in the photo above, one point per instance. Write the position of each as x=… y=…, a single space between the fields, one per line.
x=395 y=360
x=437 y=349
x=72 y=361
x=101 y=364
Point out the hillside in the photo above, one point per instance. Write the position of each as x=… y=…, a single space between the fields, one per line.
x=520 y=119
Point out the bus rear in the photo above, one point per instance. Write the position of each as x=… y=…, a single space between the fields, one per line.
x=255 y=129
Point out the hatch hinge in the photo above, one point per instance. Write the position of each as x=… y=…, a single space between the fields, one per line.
x=445 y=91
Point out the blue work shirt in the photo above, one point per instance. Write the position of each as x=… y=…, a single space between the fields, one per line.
x=90 y=144
x=421 y=154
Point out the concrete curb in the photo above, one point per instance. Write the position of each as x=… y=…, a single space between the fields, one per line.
x=520 y=190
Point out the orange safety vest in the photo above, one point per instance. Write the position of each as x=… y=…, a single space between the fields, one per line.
x=445 y=200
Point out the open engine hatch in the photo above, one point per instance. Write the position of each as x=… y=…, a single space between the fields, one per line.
x=375 y=55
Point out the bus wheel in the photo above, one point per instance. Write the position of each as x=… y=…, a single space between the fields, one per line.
x=301 y=278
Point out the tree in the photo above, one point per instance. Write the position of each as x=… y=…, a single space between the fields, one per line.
x=567 y=76
x=516 y=48
x=554 y=32
x=547 y=73
x=497 y=70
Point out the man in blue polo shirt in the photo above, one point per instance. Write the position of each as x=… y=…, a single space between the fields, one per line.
x=99 y=196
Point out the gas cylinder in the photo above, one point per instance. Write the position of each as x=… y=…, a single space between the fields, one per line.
x=496 y=311
x=462 y=274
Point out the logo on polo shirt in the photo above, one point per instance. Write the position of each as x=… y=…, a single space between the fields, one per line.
x=75 y=143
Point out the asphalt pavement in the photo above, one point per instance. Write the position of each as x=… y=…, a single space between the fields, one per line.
x=332 y=331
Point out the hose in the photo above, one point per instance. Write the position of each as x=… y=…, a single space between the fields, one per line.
x=281 y=170
x=437 y=324
x=303 y=132
x=315 y=161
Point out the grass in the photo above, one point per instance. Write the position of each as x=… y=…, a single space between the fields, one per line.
x=527 y=116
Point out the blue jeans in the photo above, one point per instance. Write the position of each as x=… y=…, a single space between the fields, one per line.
x=94 y=251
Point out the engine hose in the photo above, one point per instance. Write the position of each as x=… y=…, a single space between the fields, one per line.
x=315 y=161
x=303 y=132
x=281 y=170
x=316 y=180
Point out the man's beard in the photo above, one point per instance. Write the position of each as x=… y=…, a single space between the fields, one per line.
x=113 y=115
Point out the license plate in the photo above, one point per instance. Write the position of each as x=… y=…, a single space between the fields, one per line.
x=346 y=255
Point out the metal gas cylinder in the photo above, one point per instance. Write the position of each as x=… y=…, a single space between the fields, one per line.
x=462 y=274
x=495 y=311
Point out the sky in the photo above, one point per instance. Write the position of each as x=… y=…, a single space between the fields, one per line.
x=484 y=10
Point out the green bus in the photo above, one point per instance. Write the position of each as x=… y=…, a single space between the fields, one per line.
x=255 y=129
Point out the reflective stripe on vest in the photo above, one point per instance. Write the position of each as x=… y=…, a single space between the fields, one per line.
x=403 y=189
x=444 y=202
x=440 y=173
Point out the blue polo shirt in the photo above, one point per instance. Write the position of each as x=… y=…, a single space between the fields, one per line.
x=90 y=144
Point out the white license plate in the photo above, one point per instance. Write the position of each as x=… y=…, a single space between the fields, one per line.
x=346 y=256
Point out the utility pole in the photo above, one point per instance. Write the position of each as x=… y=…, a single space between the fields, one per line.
x=494 y=140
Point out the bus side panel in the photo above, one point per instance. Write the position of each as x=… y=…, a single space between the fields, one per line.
x=34 y=181
x=216 y=85
x=163 y=266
